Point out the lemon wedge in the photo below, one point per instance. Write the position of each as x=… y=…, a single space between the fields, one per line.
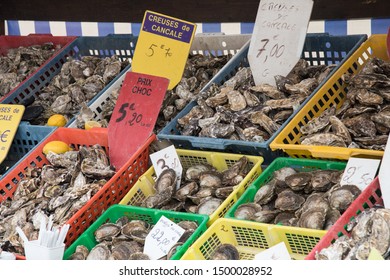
x=57 y=120
x=90 y=124
x=58 y=147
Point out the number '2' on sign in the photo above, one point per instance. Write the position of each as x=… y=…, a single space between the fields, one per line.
x=360 y=172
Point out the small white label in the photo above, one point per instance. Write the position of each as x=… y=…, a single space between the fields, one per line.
x=277 y=252
x=384 y=175
x=162 y=238
x=167 y=158
x=360 y=172
x=278 y=38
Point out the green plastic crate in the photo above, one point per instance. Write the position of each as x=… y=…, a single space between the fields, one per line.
x=151 y=216
x=300 y=241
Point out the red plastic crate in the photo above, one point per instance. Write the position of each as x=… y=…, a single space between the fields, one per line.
x=10 y=42
x=367 y=199
x=111 y=193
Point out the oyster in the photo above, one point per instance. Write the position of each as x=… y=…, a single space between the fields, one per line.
x=208 y=206
x=265 y=193
x=193 y=172
x=107 y=232
x=313 y=218
x=342 y=196
x=298 y=181
x=287 y=200
x=99 y=252
x=247 y=211
x=185 y=191
x=225 y=252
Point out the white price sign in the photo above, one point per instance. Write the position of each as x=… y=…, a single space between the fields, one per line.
x=278 y=38
x=167 y=158
x=384 y=175
x=162 y=238
x=277 y=252
x=360 y=172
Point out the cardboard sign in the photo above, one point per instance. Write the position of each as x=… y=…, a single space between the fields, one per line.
x=278 y=38
x=134 y=115
x=162 y=238
x=277 y=252
x=163 y=46
x=384 y=175
x=388 y=42
x=10 y=116
x=167 y=158
x=375 y=255
x=360 y=172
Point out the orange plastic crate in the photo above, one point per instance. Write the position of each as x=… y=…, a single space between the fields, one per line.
x=111 y=193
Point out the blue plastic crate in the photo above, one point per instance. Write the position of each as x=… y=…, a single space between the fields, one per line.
x=26 y=138
x=318 y=49
x=121 y=45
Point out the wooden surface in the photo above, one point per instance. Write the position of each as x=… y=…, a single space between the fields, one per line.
x=194 y=10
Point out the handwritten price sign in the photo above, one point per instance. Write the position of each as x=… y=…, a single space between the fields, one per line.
x=135 y=115
x=167 y=158
x=163 y=46
x=10 y=116
x=360 y=172
x=162 y=238
x=278 y=38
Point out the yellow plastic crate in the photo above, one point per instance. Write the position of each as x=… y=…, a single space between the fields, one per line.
x=221 y=161
x=251 y=238
x=332 y=92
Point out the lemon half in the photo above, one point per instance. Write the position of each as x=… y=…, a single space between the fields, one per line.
x=57 y=120
x=57 y=147
x=90 y=124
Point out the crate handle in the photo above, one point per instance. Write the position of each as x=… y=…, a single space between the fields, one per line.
x=205 y=143
x=39 y=34
x=341 y=153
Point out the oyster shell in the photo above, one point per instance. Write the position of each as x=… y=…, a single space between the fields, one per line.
x=287 y=200
x=208 y=206
x=265 y=193
x=313 y=218
x=99 y=252
x=298 y=181
x=247 y=211
x=225 y=252
x=342 y=196
x=107 y=232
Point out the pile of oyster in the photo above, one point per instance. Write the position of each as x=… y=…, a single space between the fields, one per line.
x=198 y=72
x=77 y=83
x=312 y=199
x=371 y=229
x=225 y=252
x=21 y=62
x=239 y=110
x=363 y=121
x=202 y=191
x=125 y=240
x=60 y=189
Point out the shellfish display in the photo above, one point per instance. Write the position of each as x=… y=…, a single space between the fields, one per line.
x=125 y=240
x=198 y=72
x=240 y=110
x=77 y=83
x=21 y=62
x=307 y=199
x=203 y=188
x=370 y=229
x=363 y=120
x=59 y=188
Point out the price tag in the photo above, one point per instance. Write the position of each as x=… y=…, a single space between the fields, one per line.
x=134 y=115
x=167 y=158
x=384 y=175
x=10 y=116
x=278 y=38
x=162 y=238
x=277 y=252
x=163 y=46
x=375 y=255
x=360 y=172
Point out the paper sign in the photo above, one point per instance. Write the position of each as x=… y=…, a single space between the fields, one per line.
x=278 y=38
x=388 y=42
x=360 y=172
x=134 y=115
x=163 y=46
x=167 y=158
x=10 y=116
x=384 y=175
x=277 y=252
x=375 y=255
x=162 y=238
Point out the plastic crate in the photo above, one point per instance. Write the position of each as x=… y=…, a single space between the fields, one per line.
x=111 y=193
x=318 y=49
x=249 y=238
x=26 y=138
x=144 y=187
x=121 y=45
x=11 y=42
x=150 y=216
x=333 y=92
x=299 y=241
x=208 y=45
x=370 y=197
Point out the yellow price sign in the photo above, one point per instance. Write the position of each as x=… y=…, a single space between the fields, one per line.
x=163 y=46
x=10 y=117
